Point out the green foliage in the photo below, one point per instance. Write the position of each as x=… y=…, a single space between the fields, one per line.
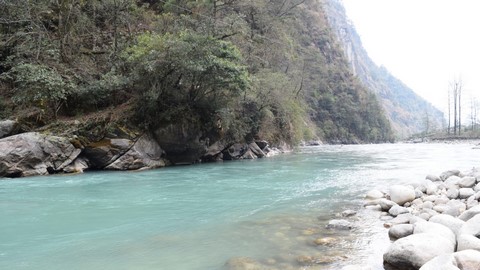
x=40 y=86
x=185 y=72
x=236 y=70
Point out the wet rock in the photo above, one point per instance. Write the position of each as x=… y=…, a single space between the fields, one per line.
x=339 y=224
x=415 y=250
x=384 y=204
x=374 y=194
x=400 y=230
x=325 y=241
x=468 y=259
x=397 y=210
x=348 y=213
x=242 y=263
x=357 y=267
x=79 y=165
x=401 y=194
x=401 y=219
x=442 y=262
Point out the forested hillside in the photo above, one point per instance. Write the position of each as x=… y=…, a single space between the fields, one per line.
x=204 y=70
x=408 y=113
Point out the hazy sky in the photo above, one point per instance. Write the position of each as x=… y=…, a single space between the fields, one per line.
x=424 y=43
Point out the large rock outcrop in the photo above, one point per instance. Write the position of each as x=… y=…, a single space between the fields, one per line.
x=33 y=153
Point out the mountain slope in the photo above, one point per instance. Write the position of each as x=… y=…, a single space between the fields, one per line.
x=407 y=112
x=193 y=73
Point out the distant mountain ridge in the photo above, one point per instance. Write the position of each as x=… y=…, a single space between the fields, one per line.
x=408 y=112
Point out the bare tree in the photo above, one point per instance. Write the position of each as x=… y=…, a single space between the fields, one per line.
x=449 y=111
x=456 y=86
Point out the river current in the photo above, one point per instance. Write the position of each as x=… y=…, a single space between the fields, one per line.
x=201 y=216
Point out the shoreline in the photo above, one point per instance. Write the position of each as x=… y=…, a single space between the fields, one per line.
x=432 y=224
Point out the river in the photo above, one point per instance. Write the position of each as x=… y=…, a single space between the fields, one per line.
x=198 y=217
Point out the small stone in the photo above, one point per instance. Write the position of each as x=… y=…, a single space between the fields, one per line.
x=447 y=174
x=452 y=193
x=324 y=241
x=464 y=193
x=397 y=210
x=402 y=194
x=427 y=205
x=348 y=213
x=339 y=224
x=400 y=230
x=374 y=194
x=467 y=182
x=433 y=178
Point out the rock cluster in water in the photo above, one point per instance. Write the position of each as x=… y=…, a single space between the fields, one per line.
x=434 y=224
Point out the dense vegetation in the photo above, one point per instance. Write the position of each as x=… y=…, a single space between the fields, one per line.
x=268 y=69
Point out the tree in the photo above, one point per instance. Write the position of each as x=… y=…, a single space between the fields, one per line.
x=456 y=87
x=184 y=72
x=39 y=86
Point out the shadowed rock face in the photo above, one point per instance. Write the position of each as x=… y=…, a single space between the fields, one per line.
x=32 y=153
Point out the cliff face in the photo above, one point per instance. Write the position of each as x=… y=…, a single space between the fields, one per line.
x=407 y=112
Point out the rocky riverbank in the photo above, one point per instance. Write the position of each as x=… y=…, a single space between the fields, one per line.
x=42 y=153
x=433 y=224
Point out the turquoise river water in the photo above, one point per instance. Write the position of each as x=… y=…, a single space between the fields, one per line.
x=201 y=216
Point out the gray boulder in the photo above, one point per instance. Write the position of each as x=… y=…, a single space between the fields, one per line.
x=434 y=228
x=400 y=230
x=467 y=182
x=6 y=128
x=445 y=175
x=339 y=224
x=397 y=210
x=384 y=204
x=33 y=153
x=402 y=194
x=470 y=213
x=452 y=193
x=472 y=226
x=183 y=141
x=104 y=152
x=442 y=262
x=464 y=193
x=144 y=154
x=433 y=178
x=455 y=208
x=256 y=150
x=468 y=259
x=468 y=241
x=79 y=165
x=374 y=194
x=454 y=224
x=415 y=250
